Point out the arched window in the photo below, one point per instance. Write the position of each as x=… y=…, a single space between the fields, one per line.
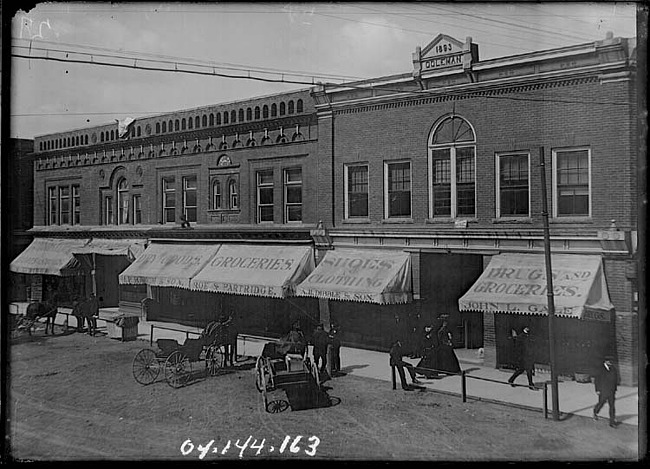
x=122 y=202
x=157 y=127
x=265 y=112
x=299 y=106
x=257 y=112
x=183 y=124
x=171 y=126
x=101 y=136
x=112 y=135
x=282 y=108
x=249 y=114
x=139 y=132
x=197 y=122
x=164 y=126
x=190 y=123
x=290 y=107
x=218 y=118
x=233 y=197
x=216 y=195
x=452 y=166
x=241 y=115
x=233 y=116
x=86 y=137
x=204 y=120
x=225 y=117
x=76 y=140
x=177 y=125
x=274 y=110
x=211 y=119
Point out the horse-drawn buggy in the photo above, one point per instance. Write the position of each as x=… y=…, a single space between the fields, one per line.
x=175 y=360
x=283 y=366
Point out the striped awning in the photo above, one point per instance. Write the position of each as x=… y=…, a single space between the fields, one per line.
x=131 y=248
x=49 y=256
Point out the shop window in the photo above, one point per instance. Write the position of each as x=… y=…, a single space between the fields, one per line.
x=356 y=191
x=452 y=164
x=216 y=195
x=233 y=195
x=169 y=199
x=189 y=198
x=122 y=202
x=293 y=195
x=513 y=185
x=398 y=190
x=572 y=189
x=265 y=196
x=137 y=209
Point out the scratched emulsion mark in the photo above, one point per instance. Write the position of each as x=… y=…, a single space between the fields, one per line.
x=31 y=29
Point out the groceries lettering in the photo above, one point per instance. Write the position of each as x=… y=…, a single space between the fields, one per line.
x=255 y=263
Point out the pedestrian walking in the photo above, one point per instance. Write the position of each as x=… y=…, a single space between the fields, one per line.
x=524 y=357
x=429 y=362
x=320 y=341
x=606 y=382
x=445 y=356
x=335 y=344
x=396 y=354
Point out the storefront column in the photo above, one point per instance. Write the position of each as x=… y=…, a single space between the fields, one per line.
x=489 y=340
x=324 y=313
x=627 y=347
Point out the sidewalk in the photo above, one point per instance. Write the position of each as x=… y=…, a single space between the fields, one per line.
x=574 y=398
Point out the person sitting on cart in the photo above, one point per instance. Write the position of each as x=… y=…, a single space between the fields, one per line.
x=293 y=342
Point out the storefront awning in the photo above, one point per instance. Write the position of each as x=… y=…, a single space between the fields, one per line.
x=271 y=271
x=371 y=276
x=168 y=265
x=131 y=248
x=49 y=256
x=516 y=283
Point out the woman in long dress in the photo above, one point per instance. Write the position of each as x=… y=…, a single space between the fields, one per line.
x=428 y=362
x=447 y=360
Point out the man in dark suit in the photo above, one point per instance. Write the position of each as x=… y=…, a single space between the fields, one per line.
x=320 y=340
x=525 y=354
x=606 y=382
x=396 y=354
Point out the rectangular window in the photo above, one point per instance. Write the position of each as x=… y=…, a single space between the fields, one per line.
x=169 y=200
x=398 y=190
x=189 y=198
x=234 y=197
x=53 y=206
x=216 y=193
x=513 y=185
x=265 y=196
x=137 y=209
x=122 y=207
x=465 y=182
x=441 y=182
x=76 y=206
x=293 y=194
x=356 y=191
x=108 y=210
x=572 y=183
x=64 y=205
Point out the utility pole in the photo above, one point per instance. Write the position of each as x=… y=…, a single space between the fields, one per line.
x=549 y=293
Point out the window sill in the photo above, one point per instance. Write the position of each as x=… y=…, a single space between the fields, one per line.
x=397 y=221
x=570 y=220
x=514 y=220
x=223 y=210
x=446 y=220
x=356 y=221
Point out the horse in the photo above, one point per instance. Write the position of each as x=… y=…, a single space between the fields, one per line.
x=43 y=309
x=87 y=309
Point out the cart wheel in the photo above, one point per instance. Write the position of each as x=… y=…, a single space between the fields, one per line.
x=178 y=369
x=277 y=406
x=214 y=359
x=145 y=366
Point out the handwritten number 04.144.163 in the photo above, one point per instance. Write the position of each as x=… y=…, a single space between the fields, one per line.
x=287 y=444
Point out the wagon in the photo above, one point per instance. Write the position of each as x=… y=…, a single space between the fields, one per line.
x=175 y=360
x=294 y=373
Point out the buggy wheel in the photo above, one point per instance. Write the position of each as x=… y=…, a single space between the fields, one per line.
x=277 y=406
x=145 y=366
x=178 y=369
x=214 y=359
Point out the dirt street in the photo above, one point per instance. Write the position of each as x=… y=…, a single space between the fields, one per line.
x=73 y=397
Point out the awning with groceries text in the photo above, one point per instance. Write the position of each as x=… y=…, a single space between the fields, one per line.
x=49 y=256
x=516 y=283
x=168 y=265
x=257 y=270
x=370 y=276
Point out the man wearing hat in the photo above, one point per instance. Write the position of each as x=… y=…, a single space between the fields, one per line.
x=607 y=379
x=525 y=357
x=320 y=339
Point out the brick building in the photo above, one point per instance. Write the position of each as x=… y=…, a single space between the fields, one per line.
x=443 y=163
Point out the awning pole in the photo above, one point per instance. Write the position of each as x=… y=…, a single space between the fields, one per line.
x=94 y=271
x=549 y=288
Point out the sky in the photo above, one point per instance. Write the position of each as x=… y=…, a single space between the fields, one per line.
x=304 y=43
